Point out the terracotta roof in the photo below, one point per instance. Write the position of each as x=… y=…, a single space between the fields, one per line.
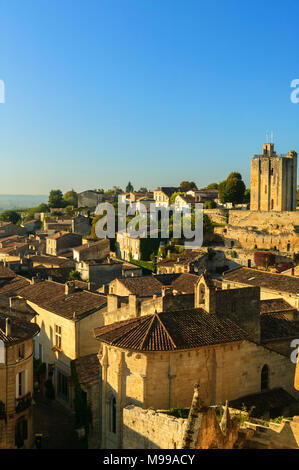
x=167 y=279
x=51 y=296
x=49 y=260
x=88 y=369
x=275 y=305
x=57 y=235
x=263 y=279
x=13 y=284
x=98 y=244
x=20 y=330
x=278 y=327
x=166 y=262
x=6 y=273
x=189 y=256
x=143 y=286
x=169 y=331
x=185 y=283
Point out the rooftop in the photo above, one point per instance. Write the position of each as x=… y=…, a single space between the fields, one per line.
x=170 y=331
x=263 y=279
x=20 y=330
x=88 y=369
x=51 y=296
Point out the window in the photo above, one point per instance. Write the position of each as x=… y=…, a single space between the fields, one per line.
x=265 y=189
x=272 y=204
x=21 y=351
x=62 y=385
x=20 y=384
x=58 y=336
x=265 y=378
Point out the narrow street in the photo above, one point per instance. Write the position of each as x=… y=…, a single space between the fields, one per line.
x=55 y=423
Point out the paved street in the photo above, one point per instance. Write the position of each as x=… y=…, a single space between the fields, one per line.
x=55 y=423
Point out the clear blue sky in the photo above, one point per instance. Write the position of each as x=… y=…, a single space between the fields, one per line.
x=99 y=92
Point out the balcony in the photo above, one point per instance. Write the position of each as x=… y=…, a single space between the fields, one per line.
x=23 y=403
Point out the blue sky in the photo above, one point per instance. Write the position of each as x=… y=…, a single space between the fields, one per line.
x=99 y=92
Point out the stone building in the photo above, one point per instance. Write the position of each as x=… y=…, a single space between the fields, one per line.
x=62 y=241
x=154 y=360
x=66 y=316
x=272 y=285
x=92 y=251
x=16 y=382
x=273 y=181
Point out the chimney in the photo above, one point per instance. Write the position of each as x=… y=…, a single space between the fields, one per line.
x=8 y=326
x=69 y=287
x=89 y=286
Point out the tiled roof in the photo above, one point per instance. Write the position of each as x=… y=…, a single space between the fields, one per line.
x=88 y=369
x=263 y=279
x=20 y=330
x=143 y=286
x=57 y=235
x=278 y=327
x=100 y=243
x=167 y=279
x=189 y=256
x=170 y=331
x=185 y=283
x=49 y=260
x=51 y=296
x=6 y=273
x=13 y=284
x=275 y=305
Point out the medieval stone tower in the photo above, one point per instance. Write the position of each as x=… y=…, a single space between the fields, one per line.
x=273 y=181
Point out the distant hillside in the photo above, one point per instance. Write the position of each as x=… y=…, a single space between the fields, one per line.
x=20 y=201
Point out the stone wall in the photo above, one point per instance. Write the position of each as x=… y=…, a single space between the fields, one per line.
x=149 y=429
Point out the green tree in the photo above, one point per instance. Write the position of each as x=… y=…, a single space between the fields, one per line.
x=213 y=186
x=143 y=190
x=71 y=198
x=173 y=196
x=187 y=185
x=246 y=198
x=75 y=276
x=232 y=189
x=42 y=208
x=10 y=216
x=210 y=205
x=56 y=198
x=129 y=187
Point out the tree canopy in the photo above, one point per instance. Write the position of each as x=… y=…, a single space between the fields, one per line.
x=213 y=186
x=71 y=198
x=56 y=198
x=10 y=216
x=232 y=189
x=187 y=185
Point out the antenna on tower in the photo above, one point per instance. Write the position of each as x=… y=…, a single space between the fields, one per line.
x=267 y=137
x=272 y=137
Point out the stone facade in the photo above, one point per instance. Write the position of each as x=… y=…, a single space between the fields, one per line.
x=273 y=181
x=262 y=230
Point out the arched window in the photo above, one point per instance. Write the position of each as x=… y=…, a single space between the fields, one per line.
x=112 y=410
x=202 y=294
x=265 y=378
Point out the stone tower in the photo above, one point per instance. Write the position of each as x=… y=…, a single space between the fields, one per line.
x=273 y=181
